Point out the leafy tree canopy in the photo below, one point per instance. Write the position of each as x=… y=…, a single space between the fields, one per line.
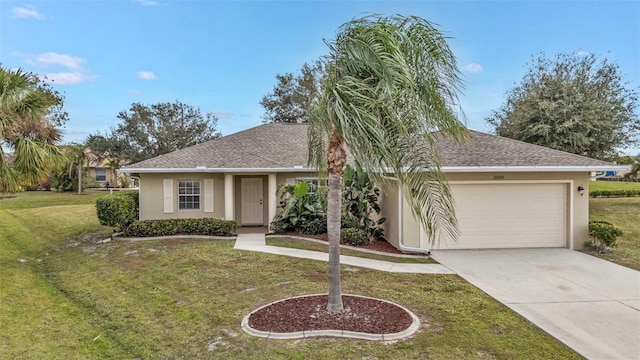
x=148 y=131
x=293 y=95
x=578 y=104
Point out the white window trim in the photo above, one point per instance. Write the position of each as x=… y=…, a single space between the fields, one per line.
x=200 y=197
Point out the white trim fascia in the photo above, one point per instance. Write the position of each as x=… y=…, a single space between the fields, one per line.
x=475 y=169
x=214 y=170
x=446 y=169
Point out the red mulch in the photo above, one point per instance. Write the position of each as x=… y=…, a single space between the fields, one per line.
x=309 y=313
x=377 y=245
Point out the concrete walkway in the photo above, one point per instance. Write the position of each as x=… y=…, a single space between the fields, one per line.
x=591 y=305
x=257 y=242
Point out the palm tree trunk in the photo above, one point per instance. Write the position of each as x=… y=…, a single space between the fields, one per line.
x=79 y=177
x=336 y=161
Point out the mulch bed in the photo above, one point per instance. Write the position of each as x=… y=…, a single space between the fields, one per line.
x=307 y=313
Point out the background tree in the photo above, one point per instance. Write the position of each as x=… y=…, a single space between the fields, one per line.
x=30 y=111
x=578 y=104
x=293 y=95
x=148 y=131
x=391 y=83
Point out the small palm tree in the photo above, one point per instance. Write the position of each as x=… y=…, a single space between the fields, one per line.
x=24 y=106
x=113 y=165
x=391 y=85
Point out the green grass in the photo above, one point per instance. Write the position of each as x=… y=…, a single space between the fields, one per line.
x=625 y=213
x=613 y=185
x=313 y=246
x=72 y=298
x=35 y=199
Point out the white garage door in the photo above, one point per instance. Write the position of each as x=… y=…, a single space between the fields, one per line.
x=509 y=216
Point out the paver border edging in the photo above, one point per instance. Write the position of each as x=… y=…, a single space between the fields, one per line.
x=411 y=330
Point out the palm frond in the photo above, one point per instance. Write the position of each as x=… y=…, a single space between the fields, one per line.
x=393 y=84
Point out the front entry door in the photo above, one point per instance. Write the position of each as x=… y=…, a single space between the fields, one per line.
x=251 y=197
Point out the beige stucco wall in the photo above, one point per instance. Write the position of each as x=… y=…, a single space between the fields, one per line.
x=152 y=200
x=91 y=172
x=411 y=230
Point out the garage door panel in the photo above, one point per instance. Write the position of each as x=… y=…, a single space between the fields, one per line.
x=509 y=215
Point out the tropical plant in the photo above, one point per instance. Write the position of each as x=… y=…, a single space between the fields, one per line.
x=391 y=84
x=360 y=197
x=29 y=114
x=69 y=173
x=298 y=207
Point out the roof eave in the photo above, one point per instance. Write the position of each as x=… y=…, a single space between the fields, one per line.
x=459 y=169
x=212 y=170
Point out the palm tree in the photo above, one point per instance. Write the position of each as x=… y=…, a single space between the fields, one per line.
x=113 y=165
x=24 y=127
x=392 y=84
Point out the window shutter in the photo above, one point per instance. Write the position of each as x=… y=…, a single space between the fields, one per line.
x=208 y=195
x=168 y=196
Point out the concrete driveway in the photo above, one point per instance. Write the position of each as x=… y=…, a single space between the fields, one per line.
x=589 y=304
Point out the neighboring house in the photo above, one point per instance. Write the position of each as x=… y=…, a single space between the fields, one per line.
x=507 y=193
x=99 y=170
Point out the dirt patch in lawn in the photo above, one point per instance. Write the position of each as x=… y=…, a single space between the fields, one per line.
x=364 y=315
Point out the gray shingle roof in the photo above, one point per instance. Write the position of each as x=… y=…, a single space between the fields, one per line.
x=485 y=150
x=284 y=146
x=261 y=147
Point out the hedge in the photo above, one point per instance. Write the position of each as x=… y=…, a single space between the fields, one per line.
x=206 y=226
x=118 y=210
x=615 y=193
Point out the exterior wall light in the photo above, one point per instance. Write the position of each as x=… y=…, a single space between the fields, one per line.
x=581 y=190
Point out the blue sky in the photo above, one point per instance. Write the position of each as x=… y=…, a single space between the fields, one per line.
x=223 y=56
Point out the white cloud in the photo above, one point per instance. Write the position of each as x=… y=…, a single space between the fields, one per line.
x=581 y=53
x=146 y=75
x=25 y=12
x=473 y=68
x=134 y=91
x=224 y=114
x=67 y=78
x=51 y=58
x=148 y=3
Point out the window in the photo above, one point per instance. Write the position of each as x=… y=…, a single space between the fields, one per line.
x=101 y=174
x=188 y=195
x=313 y=184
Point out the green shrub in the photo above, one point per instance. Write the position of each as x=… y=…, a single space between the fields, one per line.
x=280 y=227
x=615 y=193
x=602 y=235
x=315 y=226
x=354 y=236
x=168 y=227
x=117 y=210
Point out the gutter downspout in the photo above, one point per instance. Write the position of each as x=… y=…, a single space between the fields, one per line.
x=401 y=246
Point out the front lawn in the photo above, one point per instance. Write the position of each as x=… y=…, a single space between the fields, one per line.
x=624 y=213
x=314 y=246
x=613 y=185
x=65 y=296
